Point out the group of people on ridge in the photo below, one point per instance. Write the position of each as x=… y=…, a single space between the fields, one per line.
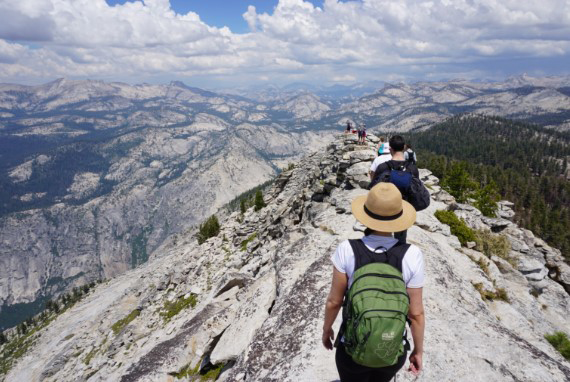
x=378 y=279
x=360 y=130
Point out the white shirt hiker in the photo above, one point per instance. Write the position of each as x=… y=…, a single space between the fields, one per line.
x=412 y=264
x=379 y=160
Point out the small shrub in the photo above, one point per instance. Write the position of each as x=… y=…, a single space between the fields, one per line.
x=501 y=294
x=245 y=242
x=172 y=308
x=208 y=229
x=290 y=167
x=491 y=244
x=195 y=375
x=560 y=342
x=213 y=374
x=119 y=325
x=90 y=356
x=482 y=264
x=482 y=291
x=457 y=226
x=187 y=371
x=498 y=294
x=326 y=229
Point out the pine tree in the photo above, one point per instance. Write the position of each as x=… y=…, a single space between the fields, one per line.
x=208 y=229
x=458 y=182
x=242 y=206
x=486 y=199
x=259 y=203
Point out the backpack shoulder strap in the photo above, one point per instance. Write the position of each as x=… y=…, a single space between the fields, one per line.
x=362 y=255
x=395 y=255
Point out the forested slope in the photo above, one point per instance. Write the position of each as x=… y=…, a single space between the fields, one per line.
x=523 y=163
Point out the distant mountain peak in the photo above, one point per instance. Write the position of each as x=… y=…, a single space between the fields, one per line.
x=178 y=84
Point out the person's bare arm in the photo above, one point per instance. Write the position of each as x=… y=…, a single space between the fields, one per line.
x=418 y=323
x=333 y=305
x=371 y=173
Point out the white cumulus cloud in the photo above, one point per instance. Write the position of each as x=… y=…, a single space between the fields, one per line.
x=339 y=42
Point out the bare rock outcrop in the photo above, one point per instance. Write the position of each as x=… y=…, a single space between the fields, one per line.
x=261 y=284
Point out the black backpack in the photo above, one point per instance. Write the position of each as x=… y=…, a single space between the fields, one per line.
x=411 y=157
x=412 y=188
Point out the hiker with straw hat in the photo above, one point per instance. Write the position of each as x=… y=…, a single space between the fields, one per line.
x=378 y=281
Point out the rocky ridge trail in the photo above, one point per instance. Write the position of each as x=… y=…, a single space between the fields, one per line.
x=261 y=284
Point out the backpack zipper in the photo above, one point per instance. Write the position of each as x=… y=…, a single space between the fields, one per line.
x=378 y=310
x=377 y=275
x=381 y=290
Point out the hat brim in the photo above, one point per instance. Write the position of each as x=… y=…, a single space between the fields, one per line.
x=402 y=223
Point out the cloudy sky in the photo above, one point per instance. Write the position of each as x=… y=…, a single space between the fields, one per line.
x=223 y=43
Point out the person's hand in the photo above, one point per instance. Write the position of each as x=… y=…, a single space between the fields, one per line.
x=328 y=337
x=415 y=363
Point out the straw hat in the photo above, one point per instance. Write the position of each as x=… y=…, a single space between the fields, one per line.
x=383 y=209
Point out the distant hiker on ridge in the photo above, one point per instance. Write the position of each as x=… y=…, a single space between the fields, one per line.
x=384 y=155
x=404 y=175
x=363 y=134
x=410 y=155
x=375 y=275
x=383 y=147
x=347 y=131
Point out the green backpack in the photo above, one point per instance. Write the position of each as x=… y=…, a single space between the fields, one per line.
x=376 y=307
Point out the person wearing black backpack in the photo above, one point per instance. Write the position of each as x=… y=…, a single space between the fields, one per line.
x=410 y=155
x=378 y=281
x=405 y=176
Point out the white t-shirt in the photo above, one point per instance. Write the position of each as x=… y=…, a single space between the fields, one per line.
x=407 y=155
x=412 y=264
x=379 y=160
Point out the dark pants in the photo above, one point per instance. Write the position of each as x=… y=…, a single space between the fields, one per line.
x=401 y=236
x=350 y=371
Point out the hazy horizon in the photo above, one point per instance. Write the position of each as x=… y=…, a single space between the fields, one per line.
x=224 y=87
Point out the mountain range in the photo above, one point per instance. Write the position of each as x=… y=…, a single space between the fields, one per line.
x=96 y=176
